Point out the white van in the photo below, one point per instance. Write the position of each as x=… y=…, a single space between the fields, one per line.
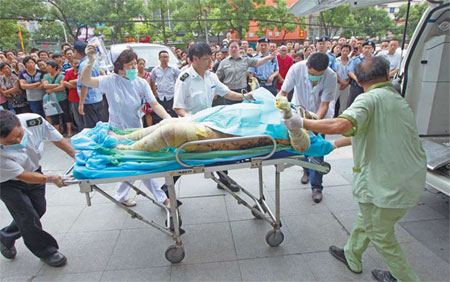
x=424 y=79
x=149 y=52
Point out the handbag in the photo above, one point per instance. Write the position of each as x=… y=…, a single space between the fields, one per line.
x=51 y=104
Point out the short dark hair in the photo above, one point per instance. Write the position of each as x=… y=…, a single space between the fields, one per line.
x=385 y=40
x=56 y=55
x=33 y=50
x=161 y=52
x=125 y=57
x=4 y=64
x=300 y=54
x=65 y=44
x=234 y=41
x=318 y=61
x=346 y=46
x=80 y=47
x=141 y=59
x=10 y=51
x=199 y=49
x=27 y=58
x=371 y=69
x=8 y=121
x=67 y=50
x=53 y=64
x=42 y=51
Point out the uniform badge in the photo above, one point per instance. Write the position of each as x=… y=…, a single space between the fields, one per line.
x=184 y=76
x=34 y=122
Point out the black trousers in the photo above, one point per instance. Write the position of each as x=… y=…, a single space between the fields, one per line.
x=272 y=88
x=26 y=204
x=92 y=114
x=168 y=106
x=355 y=91
x=231 y=102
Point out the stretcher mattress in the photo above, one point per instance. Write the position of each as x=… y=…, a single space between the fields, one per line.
x=97 y=157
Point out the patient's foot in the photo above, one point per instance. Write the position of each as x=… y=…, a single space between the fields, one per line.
x=282 y=103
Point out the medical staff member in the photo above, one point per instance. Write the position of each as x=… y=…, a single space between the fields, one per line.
x=268 y=72
x=314 y=85
x=196 y=87
x=389 y=168
x=126 y=94
x=22 y=184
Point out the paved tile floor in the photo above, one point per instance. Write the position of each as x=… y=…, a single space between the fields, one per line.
x=223 y=242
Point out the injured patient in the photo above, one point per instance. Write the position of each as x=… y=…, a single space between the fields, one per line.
x=264 y=116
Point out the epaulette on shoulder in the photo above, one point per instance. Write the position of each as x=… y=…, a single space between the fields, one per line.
x=184 y=76
x=34 y=122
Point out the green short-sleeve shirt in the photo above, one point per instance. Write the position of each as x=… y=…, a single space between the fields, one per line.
x=389 y=162
x=60 y=95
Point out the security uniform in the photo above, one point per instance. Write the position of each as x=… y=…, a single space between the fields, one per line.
x=26 y=202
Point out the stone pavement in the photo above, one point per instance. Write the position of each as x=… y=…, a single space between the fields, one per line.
x=223 y=242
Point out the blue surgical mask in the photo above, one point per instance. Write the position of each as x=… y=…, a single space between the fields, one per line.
x=131 y=74
x=314 y=77
x=19 y=146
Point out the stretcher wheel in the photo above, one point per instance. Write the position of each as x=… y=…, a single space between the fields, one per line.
x=257 y=216
x=327 y=165
x=274 y=238
x=172 y=227
x=175 y=254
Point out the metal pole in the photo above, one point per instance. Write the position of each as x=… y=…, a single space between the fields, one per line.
x=406 y=26
x=206 y=26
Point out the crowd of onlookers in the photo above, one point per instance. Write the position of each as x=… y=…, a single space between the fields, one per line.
x=31 y=82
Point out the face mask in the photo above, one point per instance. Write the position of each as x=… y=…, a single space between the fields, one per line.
x=315 y=77
x=19 y=146
x=131 y=74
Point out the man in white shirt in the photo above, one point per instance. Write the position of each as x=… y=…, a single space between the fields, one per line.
x=393 y=57
x=314 y=85
x=196 y=87
x=165 y=76
x=23 y=184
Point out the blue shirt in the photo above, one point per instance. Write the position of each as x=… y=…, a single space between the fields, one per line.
x=165 y=81
x=93 y=96
x=264 y=71
x=356 y=61
x=331 y=62
x=341 y=69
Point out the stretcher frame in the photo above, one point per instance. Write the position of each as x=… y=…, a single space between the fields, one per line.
x=172 y=227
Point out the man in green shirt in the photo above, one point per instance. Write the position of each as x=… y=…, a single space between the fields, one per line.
x=389 y=167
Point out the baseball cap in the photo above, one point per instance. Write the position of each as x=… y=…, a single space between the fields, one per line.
x=263 y=40
x=369 y=42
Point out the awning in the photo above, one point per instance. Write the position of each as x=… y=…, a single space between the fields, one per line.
x=307 y=7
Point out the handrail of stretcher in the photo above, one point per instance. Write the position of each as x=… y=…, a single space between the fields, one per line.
x=228 y=139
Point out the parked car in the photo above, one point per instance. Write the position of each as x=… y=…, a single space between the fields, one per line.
x=149 y=52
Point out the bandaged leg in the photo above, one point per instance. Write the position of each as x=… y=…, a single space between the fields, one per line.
x=171 y=134
x=298 y=136
x=141 y=133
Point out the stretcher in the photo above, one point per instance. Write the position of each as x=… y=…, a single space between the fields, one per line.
x=257 y=205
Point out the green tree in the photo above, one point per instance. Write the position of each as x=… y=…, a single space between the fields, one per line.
x=159 y=10
x=332 y=20
x=49 y=31
x=372 y=22
x=278 y=17
x=415 y=13
x=189 y=17
x=10 y=38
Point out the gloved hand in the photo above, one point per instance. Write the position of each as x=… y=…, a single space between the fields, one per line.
x=56 y=179
x=293 y=123
x=91 y=53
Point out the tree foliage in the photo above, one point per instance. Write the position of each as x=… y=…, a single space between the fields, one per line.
x=415 y=13
x=278 y=16
x=9 y=36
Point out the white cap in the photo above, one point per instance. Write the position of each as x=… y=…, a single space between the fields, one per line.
x=115 y=53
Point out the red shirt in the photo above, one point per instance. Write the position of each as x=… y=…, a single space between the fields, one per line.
x=284 y=65
x=73 y=94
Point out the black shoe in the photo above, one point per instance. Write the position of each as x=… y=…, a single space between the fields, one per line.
x=317 y=195
x=305 y=178
x=231 y=186
x=383 y=275
x=55 y=260
x=166 y=191
x=339 y=254
x=8 y=253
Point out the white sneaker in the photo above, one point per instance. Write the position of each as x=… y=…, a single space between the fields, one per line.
x=129 y=203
